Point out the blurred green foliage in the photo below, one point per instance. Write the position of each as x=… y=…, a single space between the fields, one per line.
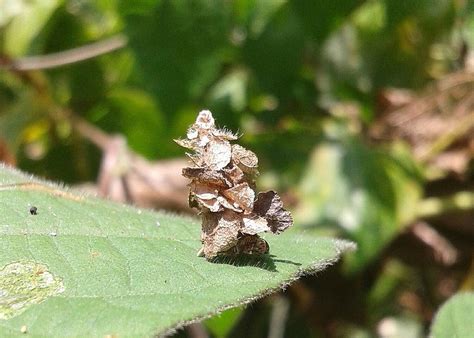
x=299 y=79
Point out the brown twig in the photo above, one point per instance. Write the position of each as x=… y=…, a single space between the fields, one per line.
x=443 y=250
x=90 y=132
x=74 y=55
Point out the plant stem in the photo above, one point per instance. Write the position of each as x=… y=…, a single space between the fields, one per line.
x=66 y=57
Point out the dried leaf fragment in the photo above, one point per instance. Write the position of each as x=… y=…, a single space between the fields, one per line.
x=205 y=121
x=269 y=206
x=219 y=232
x=255 y=225
x=217 y=154
x=207 y=176
x=242 y=195
x=245 y=159
x=222 y=189
x=249 y=245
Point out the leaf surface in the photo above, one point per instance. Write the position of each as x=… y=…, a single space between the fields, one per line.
x=367 y=193
x=454 y=319
x=112 y=269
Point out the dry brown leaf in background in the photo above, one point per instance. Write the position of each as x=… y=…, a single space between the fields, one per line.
x=222 y=189
x=438 y=124
x=5 y=154
x=128 y=177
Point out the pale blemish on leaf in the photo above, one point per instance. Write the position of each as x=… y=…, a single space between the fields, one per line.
x=23 y=284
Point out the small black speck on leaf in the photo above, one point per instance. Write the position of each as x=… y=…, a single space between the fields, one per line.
x=34 y=211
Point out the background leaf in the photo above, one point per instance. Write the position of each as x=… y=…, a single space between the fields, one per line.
x=26 y=21
x=221 y=325
x=454 y=319
x=177 y=72
x=367 y=194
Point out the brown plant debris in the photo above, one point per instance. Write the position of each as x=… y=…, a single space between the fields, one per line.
x=125 y=176
x=438 y=124
x=222 y=188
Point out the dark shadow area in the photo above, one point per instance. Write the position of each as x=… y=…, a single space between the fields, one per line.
x=286 y=261
x=265 y=262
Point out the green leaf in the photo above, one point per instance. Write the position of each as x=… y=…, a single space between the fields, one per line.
x=230 y=90
x=374 y=48
x=25 y=23
x=221 y=325
x=137 y=7
x=368 y=194
x=138 y=119
x=255 y=15
x=454 y=319
x=111 y=269
x=329 y=15
x=179 y=46
x=275 y=55
x=16 y=116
